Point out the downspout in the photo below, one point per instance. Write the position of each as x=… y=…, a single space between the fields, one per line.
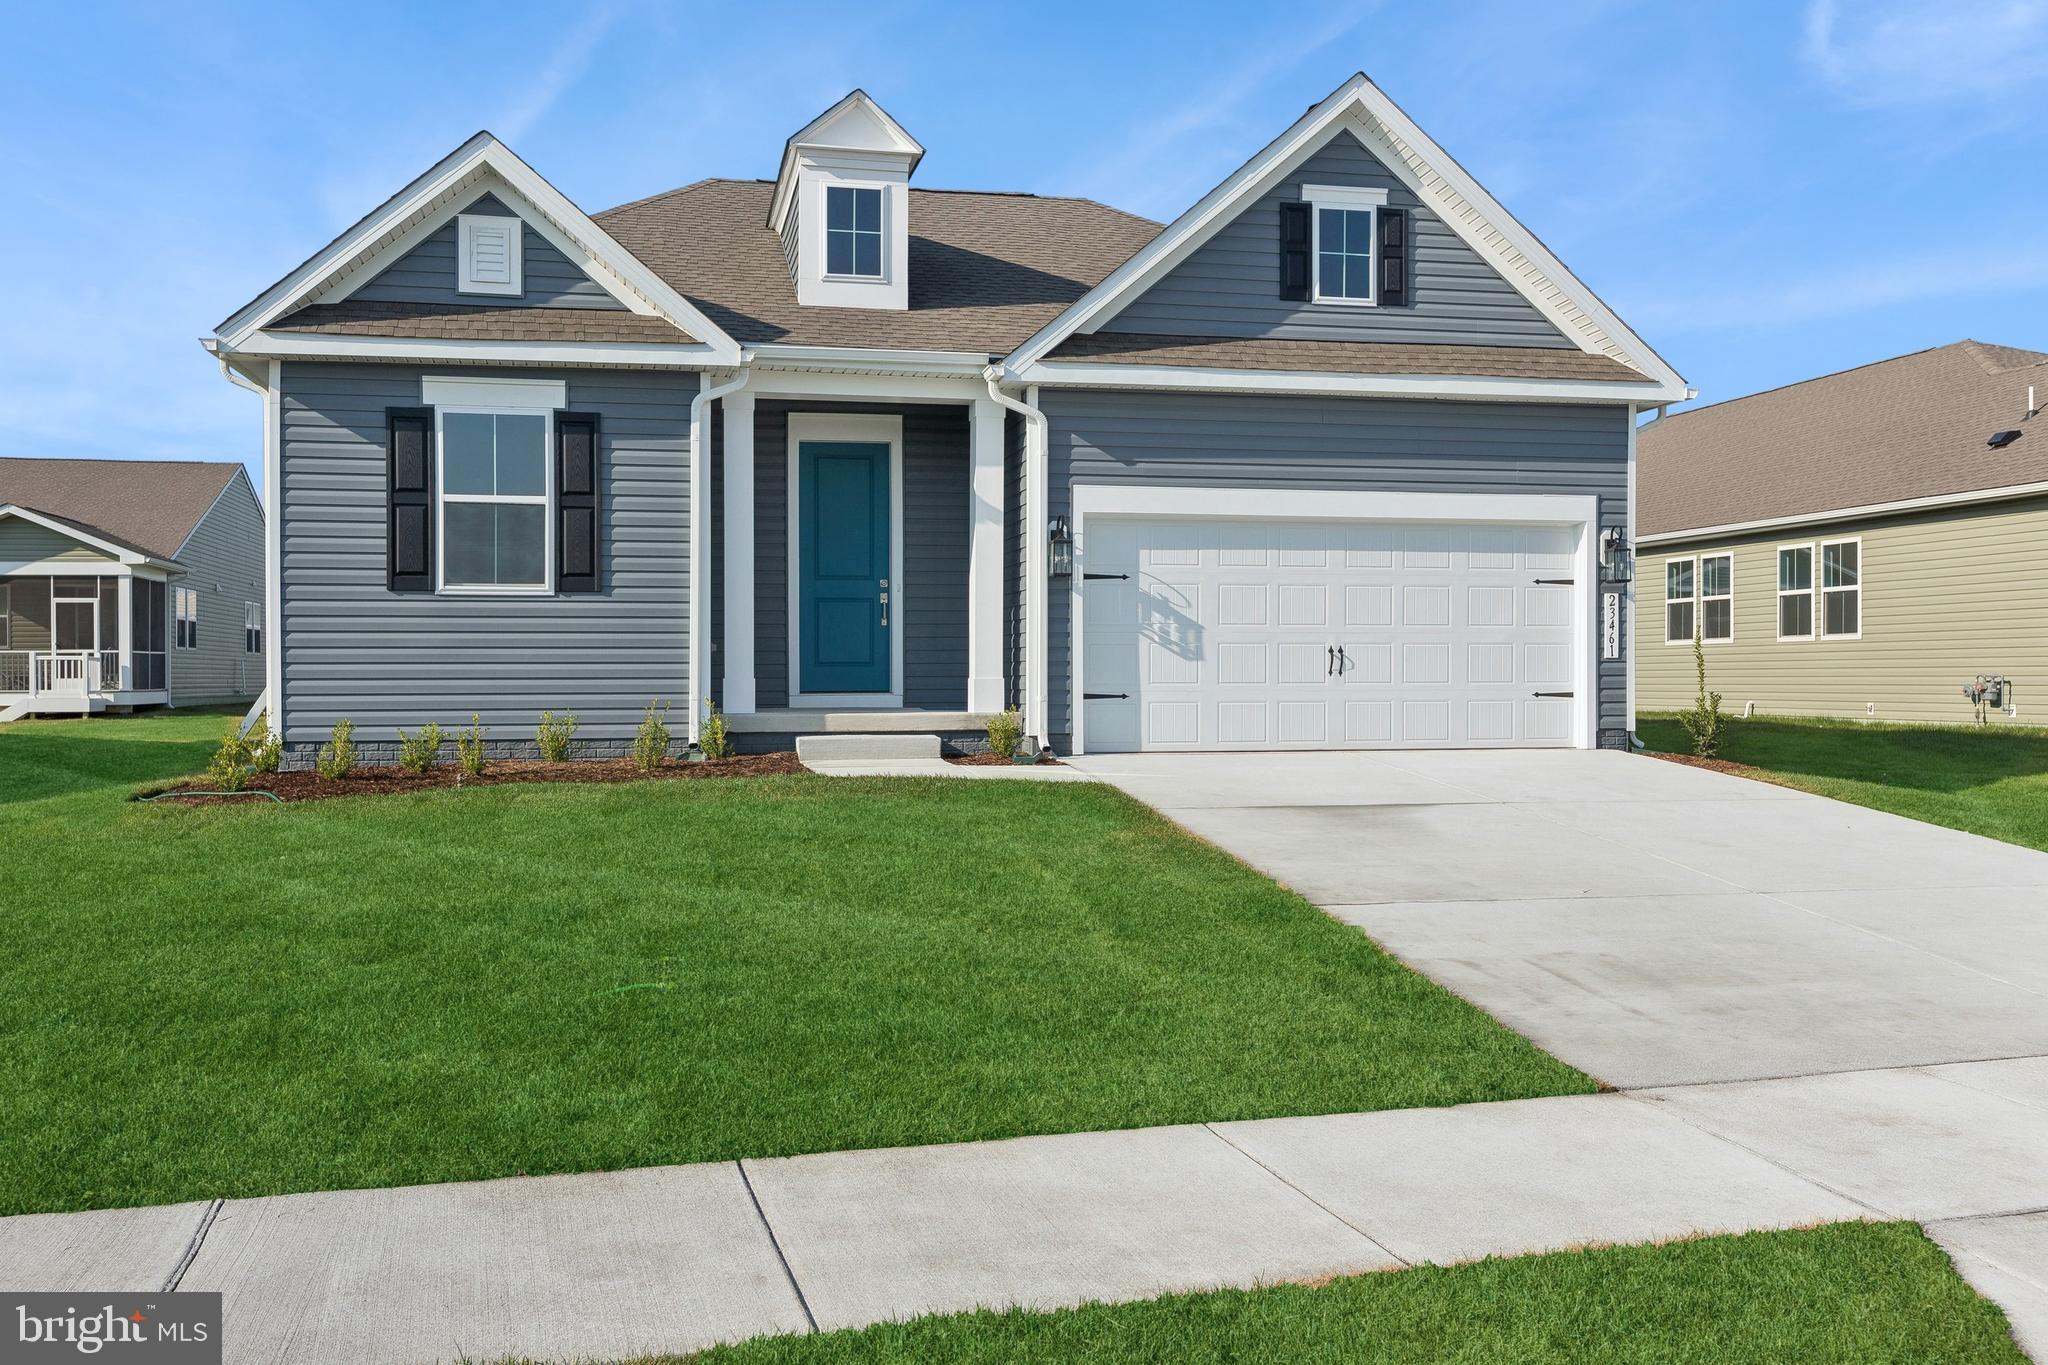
x=1038 y=583
x=273 y=577
x=699 y=629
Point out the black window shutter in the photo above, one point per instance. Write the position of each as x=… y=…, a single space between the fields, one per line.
x=1393 y=256
x=409 y=494
x=1294 y=252
x=576 y=501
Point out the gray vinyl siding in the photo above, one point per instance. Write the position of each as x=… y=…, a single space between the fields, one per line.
x=24 y=542
x=1379 y=444
x=223 y=560
x=354 y=649
x=426 y=274
x=1230 y=286
x=936 y=517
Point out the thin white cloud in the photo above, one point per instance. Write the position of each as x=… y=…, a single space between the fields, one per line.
x=561 y=72
x=1903 y=52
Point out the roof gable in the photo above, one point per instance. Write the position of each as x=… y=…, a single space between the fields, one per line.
x=482 y=165
x=1438 y=183
x=1897 y=431
x=855 y=124
x=145 y=506
x=427 y=274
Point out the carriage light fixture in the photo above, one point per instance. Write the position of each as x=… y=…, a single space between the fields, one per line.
x=1617 y=558
x=1060 y=543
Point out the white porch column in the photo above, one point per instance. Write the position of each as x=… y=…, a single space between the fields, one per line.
x=985 y=560
x=125 y=604
x=739 y=552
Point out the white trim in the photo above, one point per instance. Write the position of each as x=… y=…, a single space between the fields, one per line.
x=1436 y=179
x=1110 y=375
x=740 y=681
x=1347 y=199
x=1861 y=513
x=1809 y=592
x=1693 y=598
x=697 y=620
x=1181 y=502
x=75 y=568
x=870 y=360
x=833 y=426
x=494 y=407
x=1705 y=597
x=512 y=394
x=880 y=189
x=450 y=350
x=454 y=173
x=865 y=387
x=985 y=517
x=1821 y=590
x=466 y=279
x=1628 y=589
x=802 y=139
x=122 y=554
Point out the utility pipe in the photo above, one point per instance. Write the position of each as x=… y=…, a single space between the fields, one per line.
x=1038 y=585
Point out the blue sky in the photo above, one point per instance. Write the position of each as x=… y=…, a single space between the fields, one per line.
x=1765 y=191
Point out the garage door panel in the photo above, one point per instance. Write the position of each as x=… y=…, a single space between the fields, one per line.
x=1223 y=637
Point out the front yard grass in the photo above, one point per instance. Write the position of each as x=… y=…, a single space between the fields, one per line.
x=245 y=1000
x=1990 y=780
x=1855 y=1293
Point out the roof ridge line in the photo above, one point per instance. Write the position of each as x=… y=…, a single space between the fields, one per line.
x=1796 y=383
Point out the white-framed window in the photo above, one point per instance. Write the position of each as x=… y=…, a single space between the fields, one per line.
x=489 y=253
x=187 y=608
x=1795 y=592
x=853 y=231
x=1344 y=226
x=1841 y=589
x=495 y=481
x=1681 y=600
x=252 y=627
x=1717 y=598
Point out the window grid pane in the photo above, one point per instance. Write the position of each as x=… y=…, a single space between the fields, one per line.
x=1795 y=614
x=1843 y=611
x=1678 y=578
x=1678 y=621
x=1344 y=253
x=853 y=231
x=1838 y=565
x=1795 y=570
x=1715 y=571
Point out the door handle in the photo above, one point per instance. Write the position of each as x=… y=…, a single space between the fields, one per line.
x=1331 y=666
x=885 y=602
x=1343 y=661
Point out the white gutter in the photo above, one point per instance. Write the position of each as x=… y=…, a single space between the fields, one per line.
x=1038 y=583
x=699 y=628
x=1863 y=513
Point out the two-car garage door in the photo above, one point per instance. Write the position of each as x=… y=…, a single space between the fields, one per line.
x=1217 y=634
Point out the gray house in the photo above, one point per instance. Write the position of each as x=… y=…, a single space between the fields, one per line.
x=128 y=583
x=1334 y=459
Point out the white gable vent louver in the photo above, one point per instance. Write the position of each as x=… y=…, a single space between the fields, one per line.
x=488 y=255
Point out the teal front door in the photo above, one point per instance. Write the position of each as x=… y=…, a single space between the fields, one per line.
x=843 y=589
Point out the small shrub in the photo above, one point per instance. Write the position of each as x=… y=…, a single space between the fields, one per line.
x=1704 y=722
x=650 y=746
x=469 y=746
x=337 y=757
x=266 y=750
x=417 y=752
x=713 y=738
x=228 y=770
x=553 y=735
x=1005 y=733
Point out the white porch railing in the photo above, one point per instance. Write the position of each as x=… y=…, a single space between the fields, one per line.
x=60 y=673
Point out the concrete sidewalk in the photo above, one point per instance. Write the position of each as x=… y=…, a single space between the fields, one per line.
x=606 y=1266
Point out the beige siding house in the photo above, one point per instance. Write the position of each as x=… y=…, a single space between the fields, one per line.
x=1854 y=545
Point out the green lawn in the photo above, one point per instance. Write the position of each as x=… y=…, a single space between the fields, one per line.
x=1991 y=780
x=244 y=1000
x=1856 y=1293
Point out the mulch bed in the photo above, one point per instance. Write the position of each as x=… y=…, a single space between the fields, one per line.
x=992 y=761
x=310 y=786
x=1722 y=765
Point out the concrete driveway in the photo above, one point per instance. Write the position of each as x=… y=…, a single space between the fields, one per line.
x=1650 y=923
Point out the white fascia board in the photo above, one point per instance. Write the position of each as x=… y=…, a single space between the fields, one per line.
x=1865 y=512
x=1079 y=374
x=1365 y=110
x=1322 y=504
x=482 y=153
x=121 y=553
x=865 y=386
x=448 y=350
x=869 y=360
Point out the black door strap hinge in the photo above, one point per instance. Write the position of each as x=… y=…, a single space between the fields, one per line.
x=1105 y=575
x=1553 y=694
x=1105 y=696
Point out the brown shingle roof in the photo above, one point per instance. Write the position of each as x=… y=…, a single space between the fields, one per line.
x=357 y=317
x=151 y=505
x=1910 y=427
x=986 y=270
x=1342 y=357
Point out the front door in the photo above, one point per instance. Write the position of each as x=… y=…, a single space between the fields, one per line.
x=843 y=591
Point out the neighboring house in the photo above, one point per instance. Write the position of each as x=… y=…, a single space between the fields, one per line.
x=1325 y=462
x=127 y=583
x=1862 y=544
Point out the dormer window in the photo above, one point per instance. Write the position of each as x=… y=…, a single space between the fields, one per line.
x=853 y=231
x=488 y=251
x=1346 y=229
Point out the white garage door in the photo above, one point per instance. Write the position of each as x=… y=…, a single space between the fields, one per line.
x=1309 y=635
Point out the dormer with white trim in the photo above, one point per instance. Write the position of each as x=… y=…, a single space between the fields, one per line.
x=842 y=207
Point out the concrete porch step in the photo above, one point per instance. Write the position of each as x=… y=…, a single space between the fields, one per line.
x=842 y=748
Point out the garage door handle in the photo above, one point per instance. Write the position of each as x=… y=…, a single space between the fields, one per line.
x=1105 y=575
x=1552 y=694
x=1331 y=666
x=1558 y=582
x=1105 y=696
